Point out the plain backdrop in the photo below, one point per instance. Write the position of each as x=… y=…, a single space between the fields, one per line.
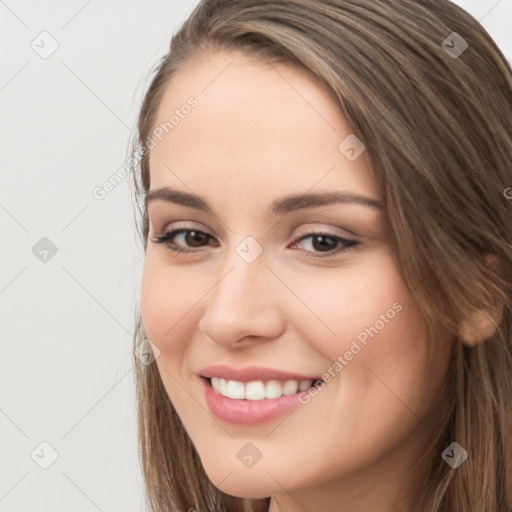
x=71 y=81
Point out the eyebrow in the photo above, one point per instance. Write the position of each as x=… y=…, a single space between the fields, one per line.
x=280 y=206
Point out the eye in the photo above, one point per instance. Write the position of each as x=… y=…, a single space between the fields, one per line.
x=326 y=243
x=322 y=242
x=193 y=236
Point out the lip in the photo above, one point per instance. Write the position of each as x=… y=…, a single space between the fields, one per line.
x=247 y=412
x=251 y=373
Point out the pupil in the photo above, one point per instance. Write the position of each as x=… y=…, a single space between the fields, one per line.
x=322 y=238
x=192 y=237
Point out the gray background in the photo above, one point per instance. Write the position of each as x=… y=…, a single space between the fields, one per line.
x=66 y=322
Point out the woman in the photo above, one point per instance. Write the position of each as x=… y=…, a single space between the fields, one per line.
x=328 y=255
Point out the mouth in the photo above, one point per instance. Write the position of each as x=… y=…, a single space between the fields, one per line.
x=254 y=402
x=256 y=390
x=252 y=395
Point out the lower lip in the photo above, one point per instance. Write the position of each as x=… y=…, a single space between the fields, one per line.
x=248 y=412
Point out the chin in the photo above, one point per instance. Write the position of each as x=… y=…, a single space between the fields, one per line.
x=243 y=483
x=247 y=490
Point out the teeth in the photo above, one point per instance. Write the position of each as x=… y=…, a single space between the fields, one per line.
x=257 y=389
x=236 y=389
x=290 y=387
x=254 y=390
x=273 y=389
x=223 y=386
x=305 y=384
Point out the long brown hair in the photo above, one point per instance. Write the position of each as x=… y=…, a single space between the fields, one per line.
x=437 y=126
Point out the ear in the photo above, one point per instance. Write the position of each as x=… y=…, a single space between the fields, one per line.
x=481 y=324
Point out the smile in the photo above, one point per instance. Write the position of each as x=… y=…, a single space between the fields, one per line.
x=252 y=402
x=258 y=389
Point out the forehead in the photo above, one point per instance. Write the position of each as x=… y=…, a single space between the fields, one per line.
x=256 y=128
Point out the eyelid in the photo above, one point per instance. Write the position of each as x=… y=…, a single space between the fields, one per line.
x=183 y=224
x=347 y=244
x=201 y=227
x=318 y=227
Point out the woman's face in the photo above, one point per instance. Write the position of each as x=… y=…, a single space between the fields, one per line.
x=301 y=287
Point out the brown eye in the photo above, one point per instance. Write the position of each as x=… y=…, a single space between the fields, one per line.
x=191 y=238
x=326 y=243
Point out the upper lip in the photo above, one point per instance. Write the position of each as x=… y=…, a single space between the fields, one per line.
x=251 y=373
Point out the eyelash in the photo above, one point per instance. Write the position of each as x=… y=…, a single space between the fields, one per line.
x=165 y=237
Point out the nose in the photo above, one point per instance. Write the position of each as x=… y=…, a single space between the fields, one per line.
x=244 y=305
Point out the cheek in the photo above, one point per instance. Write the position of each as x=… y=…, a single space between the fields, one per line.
x=367 y=326
x=383 y=329
x=382 y=361
x=164 y=302
x=160 y=307
x=151 y=305
x=351 y=306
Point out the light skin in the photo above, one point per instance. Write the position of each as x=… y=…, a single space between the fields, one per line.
x=258 y=133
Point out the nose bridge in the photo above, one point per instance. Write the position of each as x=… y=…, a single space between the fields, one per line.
x=243 y=302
